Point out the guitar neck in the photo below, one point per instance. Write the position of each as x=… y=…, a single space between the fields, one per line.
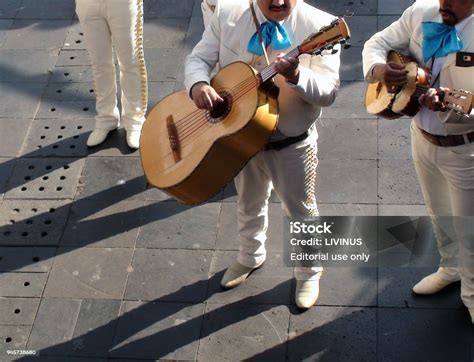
x=457 y=100
x=269 y=71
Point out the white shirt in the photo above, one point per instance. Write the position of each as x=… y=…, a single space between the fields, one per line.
x=425 y=118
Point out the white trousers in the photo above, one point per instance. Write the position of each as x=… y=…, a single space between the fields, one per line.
x=292 y=173
x=446 y=176
x=106 y=23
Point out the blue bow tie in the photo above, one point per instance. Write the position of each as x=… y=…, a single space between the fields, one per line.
x=273 y=33
x=439 y=40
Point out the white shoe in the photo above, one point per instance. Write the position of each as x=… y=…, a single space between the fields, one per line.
x=133 y=139
x=307 y=293
x=235 y=275
x=97 y=137
x=431 y=284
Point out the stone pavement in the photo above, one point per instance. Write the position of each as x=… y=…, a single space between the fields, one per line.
x=95 y=267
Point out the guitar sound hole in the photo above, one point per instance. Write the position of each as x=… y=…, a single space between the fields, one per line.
x=221 y=109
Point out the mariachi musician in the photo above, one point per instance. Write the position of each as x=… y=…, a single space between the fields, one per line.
x=439 y=34
x=288 y=164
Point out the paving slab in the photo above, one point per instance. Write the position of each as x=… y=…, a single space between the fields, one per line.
x=409 y=210
x=241 y=332
x=394 y=138
x=112 y=178
x=165 y=331
x=95 y=328
x=355 y=286
x=4 y=26
x=227 y=234
x=54 y=325
x=395 y=290
x=194 y=33
x=393 y=7
x=102 y=224
x=51 y=108
x=26 y=66
x=6 y=169
x=385 y=20
x=351 y=64
x=46 y=9
x=333 y=334
x=398 y=183
x=158 y=275
x=73 y=57
x=8 y=8
x=431 y=334
x=167 y=9
x=347 y=209
x=175 y=226
x=13 y=133
x=32 y=222
x=27 y=259
x=163 y=64
x=362 y=28
x=72 y=74
x=349 y=102
x=354 y=139
x=36 y=34
x=74 y=37
x=22 y=284
x=172 y=33
x=69 y=91
x=347 y=8
x=58 y=138
x=13 y=338
x=354 y=180
x=18 y=311
x=157 y=91
x=271 y=284
x=20 y=101
x=48 y=178
x=89 y=273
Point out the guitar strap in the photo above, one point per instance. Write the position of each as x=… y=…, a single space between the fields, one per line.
x=260 y=36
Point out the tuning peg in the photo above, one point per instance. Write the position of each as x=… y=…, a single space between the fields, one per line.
x=317 y=52
x=333 y=51
x=347 y=45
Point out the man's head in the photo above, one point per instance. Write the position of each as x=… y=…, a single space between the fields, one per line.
x=276 y=10
x=453 y=11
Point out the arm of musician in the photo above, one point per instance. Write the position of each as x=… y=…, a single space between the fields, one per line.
x=205 y=55
x=395 y=36
x=204 y=96
x=391 y=74
x=318 y=84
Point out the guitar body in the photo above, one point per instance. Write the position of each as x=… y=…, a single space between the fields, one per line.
x=209 y=150
x=379 y=101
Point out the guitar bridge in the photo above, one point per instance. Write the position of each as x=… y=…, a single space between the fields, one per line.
x=173 y=138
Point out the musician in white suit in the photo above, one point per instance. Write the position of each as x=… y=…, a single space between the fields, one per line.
x=288 y=164
x=439 y=34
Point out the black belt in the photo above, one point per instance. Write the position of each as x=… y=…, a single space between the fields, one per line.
x=448 y=141
x=278 y=145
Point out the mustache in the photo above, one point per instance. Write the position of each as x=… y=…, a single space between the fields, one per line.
x=274 y=7
x=449 y=12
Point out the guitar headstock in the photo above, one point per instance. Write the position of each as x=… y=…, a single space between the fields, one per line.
x=336 y=33
x=458 y=100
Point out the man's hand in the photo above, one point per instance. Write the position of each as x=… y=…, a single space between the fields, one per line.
x=391 y=74
x=204 y=96
x=433 y=99
x=288 y=67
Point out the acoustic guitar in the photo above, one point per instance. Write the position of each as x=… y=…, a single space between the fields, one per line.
x=404 y=101
x=191 y=153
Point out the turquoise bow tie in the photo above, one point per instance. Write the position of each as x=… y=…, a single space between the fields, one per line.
x=439 y=40
x=273 y=33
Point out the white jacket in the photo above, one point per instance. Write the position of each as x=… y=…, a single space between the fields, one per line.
x=405 y=36
x=225 y=41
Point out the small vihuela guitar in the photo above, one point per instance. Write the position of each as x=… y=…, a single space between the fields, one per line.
x=191 y=153
x=404 y=101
